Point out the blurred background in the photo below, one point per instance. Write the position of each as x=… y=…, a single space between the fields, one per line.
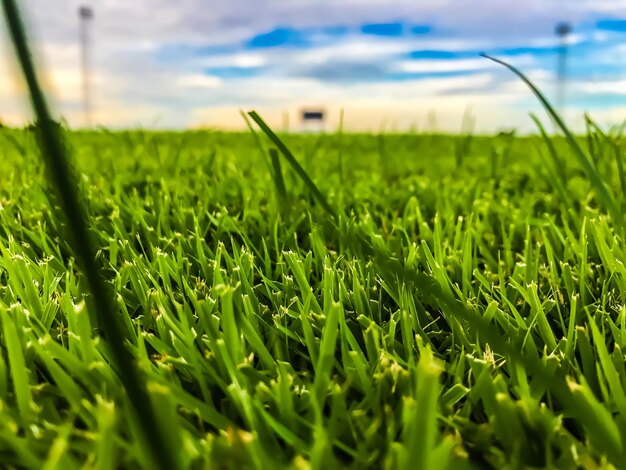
x=389 y=65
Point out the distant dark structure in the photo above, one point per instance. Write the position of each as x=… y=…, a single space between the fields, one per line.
x=313 y=120
x=563 y=30
x=85 y=15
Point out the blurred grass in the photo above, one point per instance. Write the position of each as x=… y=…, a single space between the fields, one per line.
x=65 y=183
x=272 y=338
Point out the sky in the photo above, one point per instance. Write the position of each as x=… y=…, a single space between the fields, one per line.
x=389 y=65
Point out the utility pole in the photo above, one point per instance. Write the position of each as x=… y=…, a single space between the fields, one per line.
x=563 y=30
x=85 y=15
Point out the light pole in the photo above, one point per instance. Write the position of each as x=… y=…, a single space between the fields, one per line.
x=85 y=15
x=563 y=30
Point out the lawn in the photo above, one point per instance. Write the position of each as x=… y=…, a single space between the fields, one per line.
x=211 y=300
x=421 y=301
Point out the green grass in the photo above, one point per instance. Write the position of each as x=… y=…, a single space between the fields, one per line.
x=444 y=315
x=215 y=300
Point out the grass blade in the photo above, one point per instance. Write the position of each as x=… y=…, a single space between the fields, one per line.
x=281 y=191
x=61 y=175
x=606 y=198
x=620 y=170
x=293 y=162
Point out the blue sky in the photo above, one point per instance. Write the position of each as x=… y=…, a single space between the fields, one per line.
x=158 y=63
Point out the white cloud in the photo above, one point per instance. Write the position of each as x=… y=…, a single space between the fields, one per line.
x=244 y=61
x=198 y=81
x=201 y=21
x=604 y=6
x=132 y=86
x=436 y=66
x=617 y=87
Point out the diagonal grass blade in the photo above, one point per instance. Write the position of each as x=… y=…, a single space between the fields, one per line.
x=61 y=175
x=293 y=162
x=606 y=198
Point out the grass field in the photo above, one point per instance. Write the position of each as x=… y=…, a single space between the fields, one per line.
x=213 y=300
x=461 y=306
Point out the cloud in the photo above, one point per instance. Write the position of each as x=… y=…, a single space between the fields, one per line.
x=198 y=81
x=614 y=87
x=396 y=106
x=345 y=71
x=241 y=60
x=162 y=61
x=437 y=66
